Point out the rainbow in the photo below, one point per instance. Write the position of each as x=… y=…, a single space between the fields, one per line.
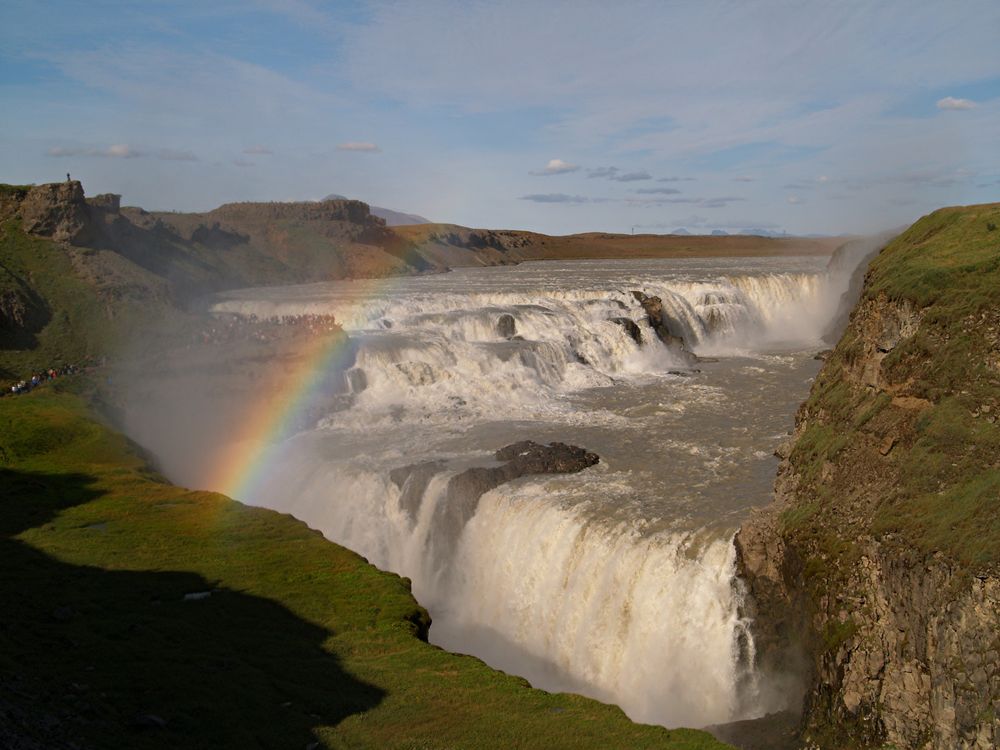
x=245 y=461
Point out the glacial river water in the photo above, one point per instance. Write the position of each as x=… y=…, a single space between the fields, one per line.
x=616 y=582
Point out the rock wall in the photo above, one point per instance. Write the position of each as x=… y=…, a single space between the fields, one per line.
x=57 y=210
x=874 y=572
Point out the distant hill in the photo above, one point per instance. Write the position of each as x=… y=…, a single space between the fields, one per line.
x=720 y=233
x=392 y=218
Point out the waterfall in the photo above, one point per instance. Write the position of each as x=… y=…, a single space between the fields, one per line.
x=616 y=582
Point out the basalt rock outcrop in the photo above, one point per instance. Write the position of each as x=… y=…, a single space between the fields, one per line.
x=464 y=489
x=57 y=210
x=875 y=573
x=661 y=325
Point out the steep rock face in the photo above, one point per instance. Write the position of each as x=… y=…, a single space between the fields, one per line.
x=57 y=210
x=661 y=324
x=877 y=562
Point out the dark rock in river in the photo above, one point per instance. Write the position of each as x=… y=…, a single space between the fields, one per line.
x=520 y=460
x=654 y=313
x=631 y=328
x=506 y=326
x=412 y=480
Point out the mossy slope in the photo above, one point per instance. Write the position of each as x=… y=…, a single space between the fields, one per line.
x=901 y=436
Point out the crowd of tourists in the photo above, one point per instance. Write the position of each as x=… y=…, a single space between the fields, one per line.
x=41 y=378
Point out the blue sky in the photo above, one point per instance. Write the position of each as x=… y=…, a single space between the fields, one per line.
x=553 y=116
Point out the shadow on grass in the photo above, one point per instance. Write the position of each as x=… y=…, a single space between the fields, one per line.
x=93 y=658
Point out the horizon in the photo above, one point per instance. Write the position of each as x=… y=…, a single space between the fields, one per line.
x=560 y=119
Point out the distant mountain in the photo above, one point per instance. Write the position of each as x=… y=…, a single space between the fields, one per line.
x=759 y=232
x=720 y=233
x=681 y=231
x=392 y=218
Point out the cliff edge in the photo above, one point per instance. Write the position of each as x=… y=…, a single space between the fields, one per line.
x=877 y=566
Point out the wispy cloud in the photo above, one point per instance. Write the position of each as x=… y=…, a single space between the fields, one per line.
x=675 y=179
x=794 y=200
x=719 y=202
x=950 y=102
x=743 y=178
x=555 y=166
x=258 y=150
x=243 y=163
x=657 y=191
x=115 y=151
x=170 y=154
x=632 y=176
x=555 y=198
x=614 y=173
x=599 y=172
x=362 y=146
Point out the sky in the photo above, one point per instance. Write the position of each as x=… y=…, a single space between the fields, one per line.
x=560 y=117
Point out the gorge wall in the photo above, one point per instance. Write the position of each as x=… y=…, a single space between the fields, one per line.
x=874 y=573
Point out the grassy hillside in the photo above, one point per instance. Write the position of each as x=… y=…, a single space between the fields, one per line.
x=298 y=639
x=72 y=304
x=901 y=434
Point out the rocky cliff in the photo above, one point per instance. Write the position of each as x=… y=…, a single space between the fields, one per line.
x=874 y=573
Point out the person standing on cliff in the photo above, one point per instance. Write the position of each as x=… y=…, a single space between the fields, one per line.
x=67 y=177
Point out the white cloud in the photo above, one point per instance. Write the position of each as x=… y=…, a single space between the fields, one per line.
x=950 y=102
x=794 y=200
x=555 y=166
x=363 y=146
x=122 y=151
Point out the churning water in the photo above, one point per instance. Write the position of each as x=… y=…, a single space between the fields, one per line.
x=616 y=582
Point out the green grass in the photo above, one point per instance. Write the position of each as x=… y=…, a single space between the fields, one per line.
x=937 y=488
x=300 y=640
x=69 y=320
x=942 y=257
